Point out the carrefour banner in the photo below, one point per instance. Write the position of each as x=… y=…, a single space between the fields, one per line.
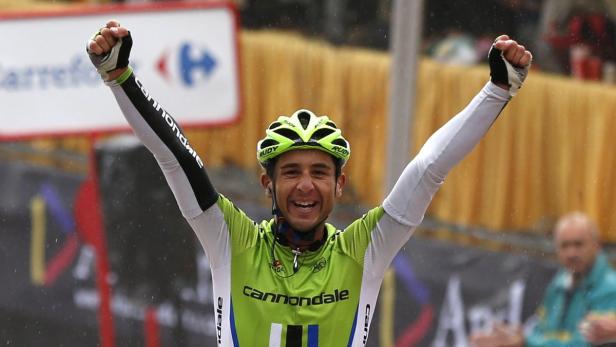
x=184 y=53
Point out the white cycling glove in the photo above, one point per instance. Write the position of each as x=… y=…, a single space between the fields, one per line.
x=502 y=72
x=114 y=59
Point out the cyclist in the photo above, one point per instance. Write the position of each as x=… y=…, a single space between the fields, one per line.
x=296 y=280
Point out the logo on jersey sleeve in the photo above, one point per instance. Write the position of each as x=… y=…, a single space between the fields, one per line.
x=219 y=313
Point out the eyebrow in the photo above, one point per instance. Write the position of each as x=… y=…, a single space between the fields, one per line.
x=321 y=166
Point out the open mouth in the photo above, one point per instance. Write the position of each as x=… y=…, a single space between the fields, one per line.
x=305 y=204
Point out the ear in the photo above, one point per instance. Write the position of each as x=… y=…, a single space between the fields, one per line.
x=266 y=183
x=340 y=182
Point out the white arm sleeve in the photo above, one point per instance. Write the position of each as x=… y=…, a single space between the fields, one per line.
x=412 y=193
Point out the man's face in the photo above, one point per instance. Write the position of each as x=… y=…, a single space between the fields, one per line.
x=576 y=247
x=306 y=187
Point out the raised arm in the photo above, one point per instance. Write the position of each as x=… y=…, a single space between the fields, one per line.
x=109 y=51
x=411 y=195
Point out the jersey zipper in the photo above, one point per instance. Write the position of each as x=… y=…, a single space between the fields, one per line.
x=296 y=253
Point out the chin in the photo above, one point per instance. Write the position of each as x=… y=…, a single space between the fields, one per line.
x=577 y=271
x=303 y=227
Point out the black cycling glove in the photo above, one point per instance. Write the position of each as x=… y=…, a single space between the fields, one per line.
x=502 y=72
x=115 y=59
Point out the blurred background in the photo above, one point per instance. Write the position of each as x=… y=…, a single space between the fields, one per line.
x=484 y=252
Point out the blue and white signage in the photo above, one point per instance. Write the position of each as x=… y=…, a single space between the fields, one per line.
x=186 y=54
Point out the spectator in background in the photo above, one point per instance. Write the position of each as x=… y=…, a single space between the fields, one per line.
x=461 y=32
x=456 y=47
x=586 y=285
x=577 y=36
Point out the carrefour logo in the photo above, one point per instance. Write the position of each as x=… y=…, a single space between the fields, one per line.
x=194 y=64
x=75 y=72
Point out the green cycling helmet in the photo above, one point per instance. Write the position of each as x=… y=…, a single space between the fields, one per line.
x=303 y=130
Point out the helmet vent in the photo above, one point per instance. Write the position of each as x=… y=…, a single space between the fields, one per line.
x=274 y=125
x=268 y=143
x=304 y=119
x=331 y=124
x=321 y=133
x=340 y=142
x=289 y=134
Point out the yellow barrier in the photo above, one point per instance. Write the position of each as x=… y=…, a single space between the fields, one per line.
x=549 y=153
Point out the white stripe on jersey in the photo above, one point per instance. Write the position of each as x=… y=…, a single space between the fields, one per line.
x=275 y=335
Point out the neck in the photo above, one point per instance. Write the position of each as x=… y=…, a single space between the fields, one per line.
x=576 y=279
x=300 y=240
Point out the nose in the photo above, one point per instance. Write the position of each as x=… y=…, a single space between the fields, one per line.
x=305 y=183
x=567 y=252
x=571 y=254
